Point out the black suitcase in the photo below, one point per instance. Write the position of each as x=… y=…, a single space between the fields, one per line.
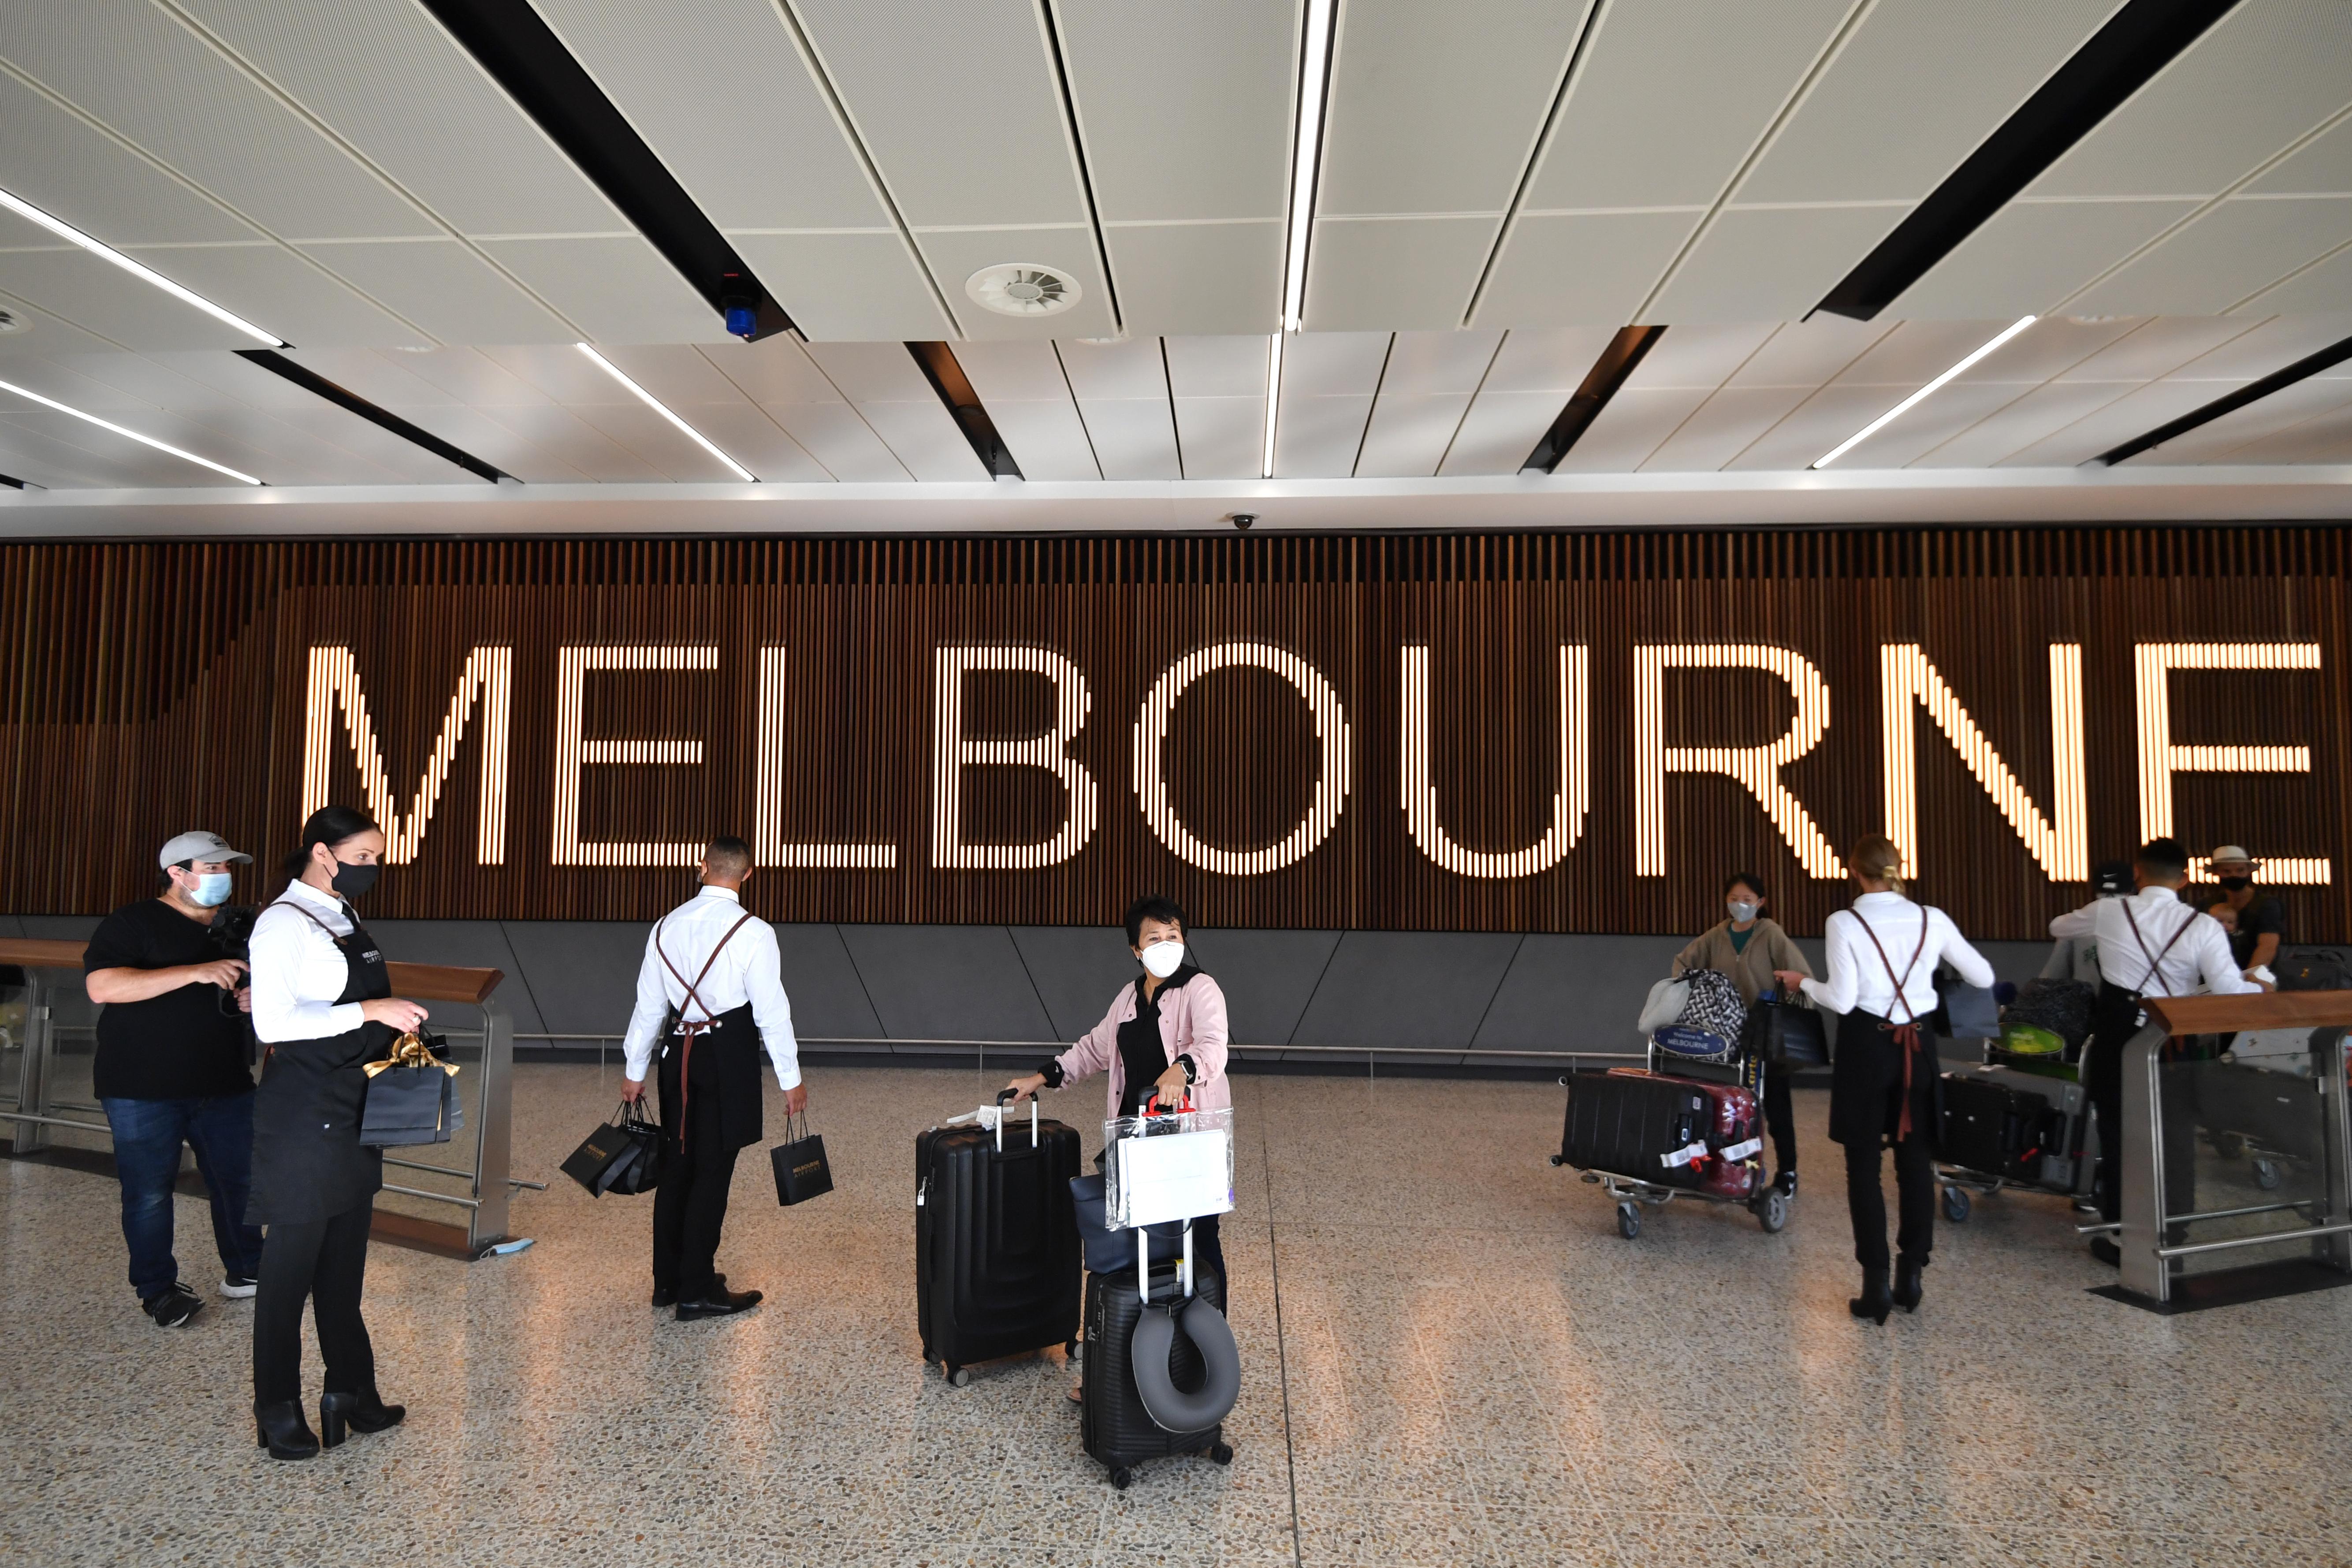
x=1114 y=1427
x=1999 y=1129
x=1627 y=1125
x=997 y=1265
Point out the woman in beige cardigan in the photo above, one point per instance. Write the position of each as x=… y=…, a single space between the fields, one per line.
x=1748 y=947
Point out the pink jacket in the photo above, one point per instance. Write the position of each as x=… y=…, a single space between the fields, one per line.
x=1192 y=1023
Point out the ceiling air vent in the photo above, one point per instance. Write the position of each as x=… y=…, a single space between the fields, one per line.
x=1023 y=288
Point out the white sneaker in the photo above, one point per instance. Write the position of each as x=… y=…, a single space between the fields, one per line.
x=237 y=1287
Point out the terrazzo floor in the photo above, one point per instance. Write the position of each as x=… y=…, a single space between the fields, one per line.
x=1451 y=1357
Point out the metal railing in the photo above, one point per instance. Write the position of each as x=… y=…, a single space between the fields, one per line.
x=489 y=1185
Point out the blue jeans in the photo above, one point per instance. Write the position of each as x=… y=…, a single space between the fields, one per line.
x=147 y=1138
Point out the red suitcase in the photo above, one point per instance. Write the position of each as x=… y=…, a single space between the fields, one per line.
x=1731 y=1138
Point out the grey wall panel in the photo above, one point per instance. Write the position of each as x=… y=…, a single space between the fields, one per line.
x=1267 y=977
x=60 y=928
x=475 y=944
x=829 y=1001
x=947 y=983
x=1077 y=970
x=1576 y=992
x=583 y=973
x=1417 y=990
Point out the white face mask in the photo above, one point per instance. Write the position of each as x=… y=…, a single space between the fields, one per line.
x=1164 y=959
x=1740 y=912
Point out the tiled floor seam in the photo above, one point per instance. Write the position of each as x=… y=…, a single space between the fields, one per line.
x=1281 y=1343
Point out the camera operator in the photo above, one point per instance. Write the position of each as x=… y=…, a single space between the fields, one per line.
x=171 y=1068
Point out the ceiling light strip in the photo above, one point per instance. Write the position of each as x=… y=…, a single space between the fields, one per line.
x=1842 y=447
x=2304 y=369
x=1273 y=397
x=110 y=425
x=655 y=404
x=139 y=271
x=1306 y=156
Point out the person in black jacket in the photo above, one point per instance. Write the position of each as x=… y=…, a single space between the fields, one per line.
x=322 y=1004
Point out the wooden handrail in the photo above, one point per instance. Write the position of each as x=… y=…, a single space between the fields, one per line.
x=2269 y=1010
x=419 y=981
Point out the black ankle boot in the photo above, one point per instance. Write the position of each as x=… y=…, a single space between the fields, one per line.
x=359 y=1412
x=1873 y=1302
x=1906 y=1283
x=281 y=1429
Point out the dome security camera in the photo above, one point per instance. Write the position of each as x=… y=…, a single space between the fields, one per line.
x=1241 y=520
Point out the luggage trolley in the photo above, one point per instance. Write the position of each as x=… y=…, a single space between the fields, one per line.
x=1632 y=1193
x=2003 y=1149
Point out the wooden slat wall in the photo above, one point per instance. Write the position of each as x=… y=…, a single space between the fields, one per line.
x=152 y=687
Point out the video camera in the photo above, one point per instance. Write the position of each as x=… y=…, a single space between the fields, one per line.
x=231 y=934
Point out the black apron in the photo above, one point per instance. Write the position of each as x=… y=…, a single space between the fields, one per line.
x=307 y=1161
x=727 y=1066
x=1868 y=1097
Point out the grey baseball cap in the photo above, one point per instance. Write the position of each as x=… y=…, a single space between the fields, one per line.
x=198 y=845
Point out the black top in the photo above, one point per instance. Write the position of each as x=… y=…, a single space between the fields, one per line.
x=182 y=1045
x=1142 y=1053
x=2265 y=916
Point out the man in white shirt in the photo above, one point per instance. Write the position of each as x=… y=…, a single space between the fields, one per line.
x=2150 y=944
x=710 y=993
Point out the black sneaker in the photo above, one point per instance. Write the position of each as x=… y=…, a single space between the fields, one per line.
x=1787 y=1183
x=173 y=1306
x=239 y=1287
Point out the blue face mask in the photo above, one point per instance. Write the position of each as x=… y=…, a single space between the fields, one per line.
x=211 y=889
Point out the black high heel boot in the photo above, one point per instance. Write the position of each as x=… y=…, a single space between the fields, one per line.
x=1873 y=1302
x=342 y=1413
x=281 y=1429
x=1907 y=1291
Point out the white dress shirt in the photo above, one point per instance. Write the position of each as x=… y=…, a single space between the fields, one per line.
x=2200 y=948
x=298 y=970
x=748 y=969
x=1858 y=977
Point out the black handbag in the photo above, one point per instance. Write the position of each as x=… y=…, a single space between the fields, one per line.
x=1787 y=1033
x=623 y=1155
x=802 y=1170
x=411 y=1097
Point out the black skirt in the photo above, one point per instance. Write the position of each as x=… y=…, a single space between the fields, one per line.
x=1866 y=1078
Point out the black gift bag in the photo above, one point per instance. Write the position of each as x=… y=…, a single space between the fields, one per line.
x=411 y=1097
x=802 y=1170
x=623 y=1155
x=1787 y=1033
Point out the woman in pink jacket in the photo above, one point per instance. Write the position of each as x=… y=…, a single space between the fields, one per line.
x=1164 y=1033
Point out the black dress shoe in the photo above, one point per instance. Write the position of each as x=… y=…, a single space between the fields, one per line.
x=1873 y=1302
x=1787 y=1181
x=718 y=1302
x=1907 y=1291
x=281 y=1429
x=360 y=1412
x=2106 y=1252
x=666 y=1295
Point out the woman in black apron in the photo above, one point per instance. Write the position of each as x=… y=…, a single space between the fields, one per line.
x=323 y=1008
x=1885 y=1078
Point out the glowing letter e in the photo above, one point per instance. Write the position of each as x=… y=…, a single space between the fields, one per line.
x=2159 y=759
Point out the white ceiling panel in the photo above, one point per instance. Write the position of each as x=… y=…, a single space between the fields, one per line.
x=36 y=332
x=747 y=433
x=1701 y=356
x=616 y=286
x=2032 y=254
x=1011 y=371
x=2155 y=347
x=281 y=291
x=871 y=372
x=1633 y=425
x=2231 y=253
x=838 y=436
x=1761 y=263
x=1318 y=437
x=1803 y=436
x=1198 y=277
x=1334 y=364
x=1557 y=268
x=1829 y=418
x=1732 y=421
x=886 y=385
x=954 y=255
x=1045 y=437
x=2138 y=411
x=2266 y=346
x=67 y=453
x=1912 y=353
x=1221 y=438
x=64 y=164
x=1226 y=367
x=1554 y=360
x=2051 y=347
x=449 y=290
x=1530 y=380
x=2324 y=285
x=2327 y=438
x=103 y=300
x=1409 y=434
x=1802 y=353
x=2014 y=428
x=847 y=287
x=1395 y=274
x=35 y=458
x=1424 y=362
x=1133 y=437
x=2221 y=441
x=1129 y=368
x=2321 y=166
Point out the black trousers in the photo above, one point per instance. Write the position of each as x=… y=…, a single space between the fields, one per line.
x=1780 y=1119
x=690 y=1205
x=325 y=1263
x=1915 y=1181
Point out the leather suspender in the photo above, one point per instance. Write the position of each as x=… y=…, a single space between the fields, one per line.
x=1906 y=1034
x=2155 y=976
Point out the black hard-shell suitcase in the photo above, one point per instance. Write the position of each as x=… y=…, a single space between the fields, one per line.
x=997 y=1266
x=1626 y=1124
x=1114 y=1427
x=2000 y=1129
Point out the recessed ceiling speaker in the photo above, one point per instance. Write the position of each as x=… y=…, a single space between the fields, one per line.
x=1023 y=288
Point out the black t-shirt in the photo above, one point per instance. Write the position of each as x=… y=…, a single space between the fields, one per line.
x=178 y=1045
x=2265 y=916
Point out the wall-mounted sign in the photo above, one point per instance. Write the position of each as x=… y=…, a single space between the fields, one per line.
x=1032 y=733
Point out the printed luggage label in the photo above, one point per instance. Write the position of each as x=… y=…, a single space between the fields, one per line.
x=1683 y=1156
x=1739 y=1152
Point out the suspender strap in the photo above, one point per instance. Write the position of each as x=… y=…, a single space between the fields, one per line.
x=689 y=1027
x=2154 y=977
x=1906 y=1034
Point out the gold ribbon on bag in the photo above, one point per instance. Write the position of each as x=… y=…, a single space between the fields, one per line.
x=409 y=1051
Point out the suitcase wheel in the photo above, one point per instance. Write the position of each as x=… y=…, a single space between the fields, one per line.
x=1559 y=1160
x=1121 y=1477
x=2267 y=1174
x=1956 y=1205
x=1772 y=1214
x=1629 y=1221
x=1220 y=1453
x=958 y=1376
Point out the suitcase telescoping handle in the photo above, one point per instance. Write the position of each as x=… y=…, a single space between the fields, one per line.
x=1001 y=1096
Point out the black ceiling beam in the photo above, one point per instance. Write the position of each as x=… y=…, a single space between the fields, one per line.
x=1616 y=362
x=2138 y=41
x=2304 y=369
x=940 y=368
x=523 y=55
x=13 y=482
x=345 y=398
